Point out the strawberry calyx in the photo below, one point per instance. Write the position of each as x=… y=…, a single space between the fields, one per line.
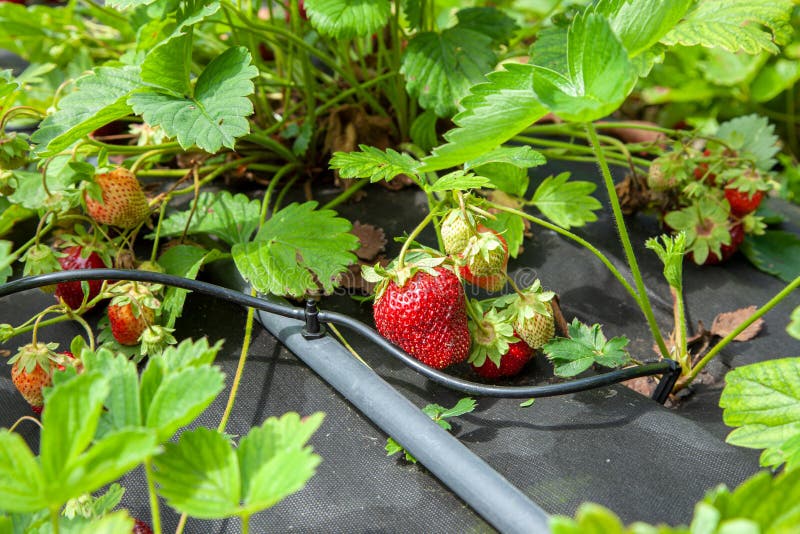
x=424 y=260
x=137 y=294
x=43 y=355
x=486 y=254
x=156 y=338
x=706 y=225
x=492 y=334
x=528 y=302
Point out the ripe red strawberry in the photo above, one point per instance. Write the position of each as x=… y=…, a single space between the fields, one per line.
x=32 y=369
x=742 y=202
x=511 y=363
x=131 y=312
x=426 y=317
x=701 y=171
x=140 y=527
x=75 y=258
x=737 y=238
x=123 y=203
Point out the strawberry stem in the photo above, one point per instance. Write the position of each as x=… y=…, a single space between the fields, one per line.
x=685 y=381
x=414 y=233
x=644 y=300
x=25 y=418
x=237 y=378
x=155 y=512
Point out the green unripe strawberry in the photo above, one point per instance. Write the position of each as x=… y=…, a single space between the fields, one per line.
x=486 y=254
x=537 y=329
x=456 y=232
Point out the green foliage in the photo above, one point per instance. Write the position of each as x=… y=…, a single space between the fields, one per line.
x=794 y=324
x=512 y=228
x=287 y=258
x=488 y=21
x=231 y=218
x=99 y=98
x=374 y=164
x=216 y=481
x=6 y=259
x=343 y=20
x=671 y=255
x=585 y=347
x=640 y=24
x=523 y=157
x=185 y=261
x=439 y=414
x=763 y=400
x=458 y=181
x=566 y=203
x=749 y=26
x=494 y=112
x=215 y=115
x=592 y=80
x=441 y=67
x=754 y=137
x=775 y=252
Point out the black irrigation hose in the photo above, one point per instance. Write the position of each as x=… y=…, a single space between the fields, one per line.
x=668 y=368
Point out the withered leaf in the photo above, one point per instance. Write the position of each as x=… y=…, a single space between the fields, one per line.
x=725 y=323
x=371 y=238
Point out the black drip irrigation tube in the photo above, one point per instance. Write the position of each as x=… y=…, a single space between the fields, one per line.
x=313 y=317
x=485 y=490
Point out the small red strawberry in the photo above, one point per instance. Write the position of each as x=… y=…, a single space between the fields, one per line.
x=120 y=200
x=742 y=202
x=496 y=350
x=140 y=527
x=77 y=257
x=424 y=313
x=32 y=369
x=496 y=280
x=131 y=312
x=701 y=171
x=737 y=238
x=511 y=363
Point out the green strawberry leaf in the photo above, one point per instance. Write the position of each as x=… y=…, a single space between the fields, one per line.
x=671 y=255
x=438 y=414
x=585 y=347
x=62 y=179
x=217 y=112
x=590 y=518
x=750 y=26
x=775 y=252
x=770 y=503
x=286 y=259
x=463 y=406
x=274 y=461
x=506 y=177
x=122 y=5
x=190 y=353
x=773 y=79
x=392 y=448
x=70 y=421
x=523 y=157
x=591 y=79
x=374 y=164
x=100 y=98
x=441 y=67
x=640 y=24
x=763 y=400
x=423 y=131
x=6 y=259
x=494 y=112
x=181 y=397
x=794 y=325
x=199 y=475
x=341 y=19
x=511 y=227
x=185 y=261
x=21 y=480
x=165 y=65
x=231 y=218
x=11 y=215
x=754 y=137
x=488 y=21
x=567 y=204
x=458 y=181
x=123 y=409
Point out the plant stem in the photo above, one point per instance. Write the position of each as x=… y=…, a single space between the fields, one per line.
x=155 y=513
x=794 y=284
x=346 y=194
x=679 y=314
x=54 y=520
x=248 y=333
x=644 y=300
x=413 y=235
x=566 y=233
x=245 y=524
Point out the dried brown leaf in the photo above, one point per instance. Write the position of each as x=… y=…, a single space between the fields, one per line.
x=725 y=323
x=371 y=238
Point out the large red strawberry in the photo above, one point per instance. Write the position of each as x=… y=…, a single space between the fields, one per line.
x=131 y=312
x=425 y=315
x=140 y=527
x=76 y=257
x=32 y=369
x=120 y=200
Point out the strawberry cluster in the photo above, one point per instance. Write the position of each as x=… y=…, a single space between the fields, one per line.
x=421 y=305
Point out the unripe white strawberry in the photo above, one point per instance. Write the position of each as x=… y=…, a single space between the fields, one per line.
x=486 y=254
x=537 y=329
x=456 y=232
